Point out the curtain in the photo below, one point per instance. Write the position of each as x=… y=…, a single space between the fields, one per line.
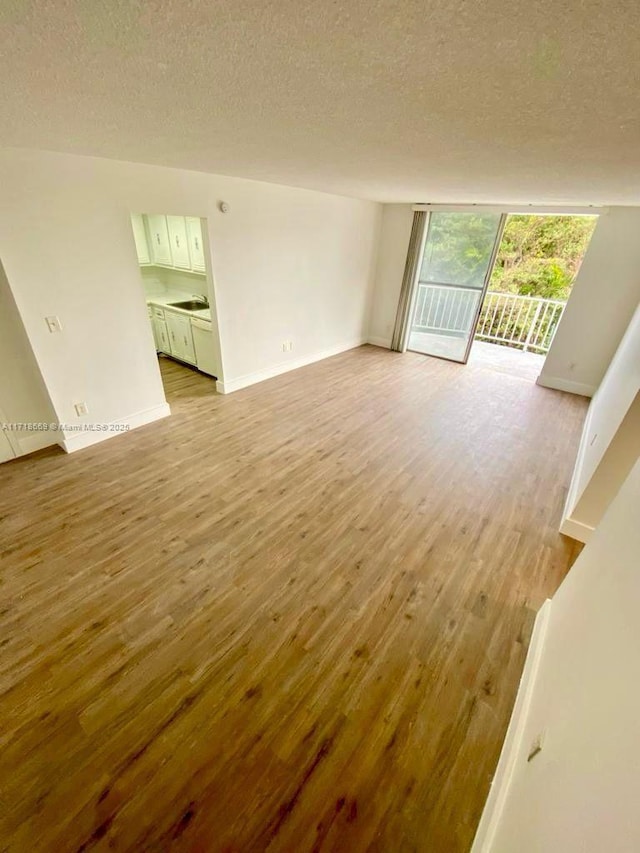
x=408 y=280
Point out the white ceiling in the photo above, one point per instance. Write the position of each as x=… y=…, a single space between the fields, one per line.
x=394 y=100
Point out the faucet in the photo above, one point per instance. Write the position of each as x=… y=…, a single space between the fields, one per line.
x=200 y=298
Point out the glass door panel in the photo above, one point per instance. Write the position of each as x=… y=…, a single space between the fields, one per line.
x=459 y=253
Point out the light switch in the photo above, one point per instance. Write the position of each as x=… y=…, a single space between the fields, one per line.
x=54 y=324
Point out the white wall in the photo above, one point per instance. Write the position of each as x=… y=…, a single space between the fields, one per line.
x=605 y=295
x=288 y=264
x=23 y=397
x=580 y=794
x=605 y=441
x=395 y=232
x=612 y=470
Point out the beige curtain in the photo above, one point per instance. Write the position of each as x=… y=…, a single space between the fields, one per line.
x=408 y=280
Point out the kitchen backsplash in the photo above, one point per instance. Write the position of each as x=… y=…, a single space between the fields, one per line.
x=158 y=280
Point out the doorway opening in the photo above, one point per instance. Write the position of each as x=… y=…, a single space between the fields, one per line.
x=176 y=276
x=492 y=287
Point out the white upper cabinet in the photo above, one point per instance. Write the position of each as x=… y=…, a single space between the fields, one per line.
x=169 y=241
x=196 y=250
x=140 y=237
x=160 y=246
x=178 y=241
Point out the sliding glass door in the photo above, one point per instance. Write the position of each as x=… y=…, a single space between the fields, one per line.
x=458 y=257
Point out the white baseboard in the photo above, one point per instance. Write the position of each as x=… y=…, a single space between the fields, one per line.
x=560 y=384
x=37 y=441
x=576 y=529
x=73 y=441
x=380 y=342
x=229 y=385
x=513 y=742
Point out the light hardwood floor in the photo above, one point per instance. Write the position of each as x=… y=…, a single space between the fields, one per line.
x=293 y=618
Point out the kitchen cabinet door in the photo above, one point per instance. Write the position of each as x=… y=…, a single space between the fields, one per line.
x=189 y=349
x=140 y=237
x=196 y=249
x=179 y=242
x=181 y=339
x=161 y=335
x=160 y=247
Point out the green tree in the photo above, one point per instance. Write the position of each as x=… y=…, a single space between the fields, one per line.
x=541 y=255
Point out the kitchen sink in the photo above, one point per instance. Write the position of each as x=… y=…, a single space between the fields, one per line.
x=189 y=305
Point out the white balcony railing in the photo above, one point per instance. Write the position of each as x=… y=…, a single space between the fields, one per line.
x=528 y=322
x=525 y=322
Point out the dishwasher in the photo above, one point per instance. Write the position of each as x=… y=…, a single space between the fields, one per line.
x=203 y=342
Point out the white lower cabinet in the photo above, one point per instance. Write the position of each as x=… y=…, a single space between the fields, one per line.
x=161 y=335
x=180 y=337
x=173 y=335
x=159 y=327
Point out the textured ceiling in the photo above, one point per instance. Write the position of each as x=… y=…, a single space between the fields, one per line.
x=405 y=100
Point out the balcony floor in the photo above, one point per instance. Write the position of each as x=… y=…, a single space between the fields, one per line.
x=500 y=359
x=515 y=362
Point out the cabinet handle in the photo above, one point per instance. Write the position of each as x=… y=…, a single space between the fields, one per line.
x=158 y=238
x=197 y=244
x=173 y=337
x=177 y=242
x=185 y=340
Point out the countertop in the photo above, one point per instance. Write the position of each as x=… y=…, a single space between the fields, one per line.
x=165 y=300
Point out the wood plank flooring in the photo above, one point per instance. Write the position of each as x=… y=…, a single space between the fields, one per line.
x=289 y=619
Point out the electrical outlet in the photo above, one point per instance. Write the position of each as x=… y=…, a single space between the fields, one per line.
x=81 y=409
x=53 y=324
x=290 y=347
x=536 y=746
x=284 y=346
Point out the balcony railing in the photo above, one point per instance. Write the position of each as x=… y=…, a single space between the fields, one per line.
x=525 y=322
x=442 y=308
